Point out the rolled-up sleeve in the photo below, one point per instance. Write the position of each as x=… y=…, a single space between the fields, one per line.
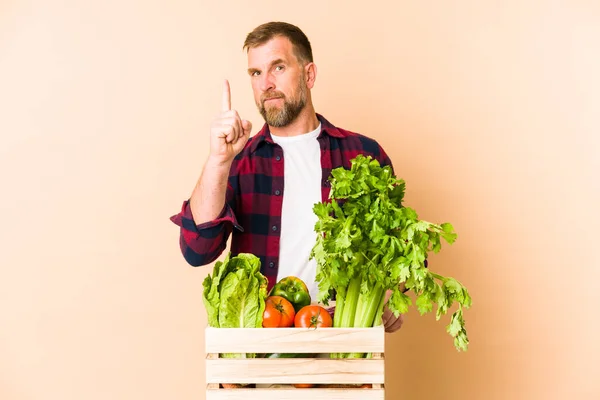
x=202 y=244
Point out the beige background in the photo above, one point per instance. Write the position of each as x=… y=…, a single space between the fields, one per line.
x=489 y=110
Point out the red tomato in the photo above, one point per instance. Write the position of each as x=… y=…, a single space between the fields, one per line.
x=279 y=313
x=313 y=316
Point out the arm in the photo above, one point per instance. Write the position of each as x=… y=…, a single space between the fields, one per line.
x=384 y=159
x=390 y=321
x=202 y=243
x=208 y=198
x=207 y=219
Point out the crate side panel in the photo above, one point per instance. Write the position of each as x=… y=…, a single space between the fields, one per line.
x=295 y=394
x=294 y=370
x=294 y=340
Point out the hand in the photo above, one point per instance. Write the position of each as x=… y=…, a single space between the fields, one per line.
x=391 y=323
x=228 y=132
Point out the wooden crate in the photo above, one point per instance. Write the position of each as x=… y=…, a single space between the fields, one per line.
x=295 y=370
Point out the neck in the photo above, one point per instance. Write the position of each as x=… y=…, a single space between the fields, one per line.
x=305 y=122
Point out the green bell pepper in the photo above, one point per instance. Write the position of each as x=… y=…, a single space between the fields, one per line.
x=294 y=290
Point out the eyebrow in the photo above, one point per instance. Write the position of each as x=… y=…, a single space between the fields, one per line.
x=276 y=61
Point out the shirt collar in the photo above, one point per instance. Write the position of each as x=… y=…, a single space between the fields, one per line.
x=264 y=135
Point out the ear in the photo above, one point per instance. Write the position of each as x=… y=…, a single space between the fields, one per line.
x=310 y=74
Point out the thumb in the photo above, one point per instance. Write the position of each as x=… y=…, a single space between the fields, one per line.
x=247 y=127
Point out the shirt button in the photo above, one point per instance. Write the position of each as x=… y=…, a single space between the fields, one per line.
x=277 y=192
x=274 y=228
x=271 y=264
x=278 y=158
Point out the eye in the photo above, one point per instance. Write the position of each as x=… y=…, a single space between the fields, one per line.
x=279 y=68
x=255 y=73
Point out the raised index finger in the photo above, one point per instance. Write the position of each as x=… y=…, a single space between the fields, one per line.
x=226 y=106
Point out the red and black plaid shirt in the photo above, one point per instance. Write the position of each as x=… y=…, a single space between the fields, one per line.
x=255 y=196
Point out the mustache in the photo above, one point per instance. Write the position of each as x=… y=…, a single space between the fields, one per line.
x=271 y=95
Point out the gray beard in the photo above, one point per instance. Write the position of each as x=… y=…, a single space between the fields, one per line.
x=280 y=117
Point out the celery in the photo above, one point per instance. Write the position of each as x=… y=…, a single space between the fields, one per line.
x=369 y=243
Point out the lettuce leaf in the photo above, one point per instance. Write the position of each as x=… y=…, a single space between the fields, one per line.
x=234 y=296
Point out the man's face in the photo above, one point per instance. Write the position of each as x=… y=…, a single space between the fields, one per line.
x=278 y=81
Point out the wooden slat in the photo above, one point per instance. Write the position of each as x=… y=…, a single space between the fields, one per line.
x=377 y=356
x=294 y=340
x=295 y=394
x=294 y=370
x=212 y=356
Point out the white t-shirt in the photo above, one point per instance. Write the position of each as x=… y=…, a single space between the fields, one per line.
x=301 y=190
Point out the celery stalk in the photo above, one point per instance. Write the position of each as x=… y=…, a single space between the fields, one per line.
x=369 y=304
x=351 y=301
x=337 y=318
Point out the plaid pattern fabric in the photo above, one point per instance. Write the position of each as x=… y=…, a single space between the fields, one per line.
x=252 y=211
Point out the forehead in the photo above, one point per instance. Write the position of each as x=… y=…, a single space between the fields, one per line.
x=277 y=48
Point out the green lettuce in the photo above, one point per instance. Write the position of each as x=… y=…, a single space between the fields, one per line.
x=234 y=295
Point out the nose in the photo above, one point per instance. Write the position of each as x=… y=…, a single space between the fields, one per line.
x=266 y=82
